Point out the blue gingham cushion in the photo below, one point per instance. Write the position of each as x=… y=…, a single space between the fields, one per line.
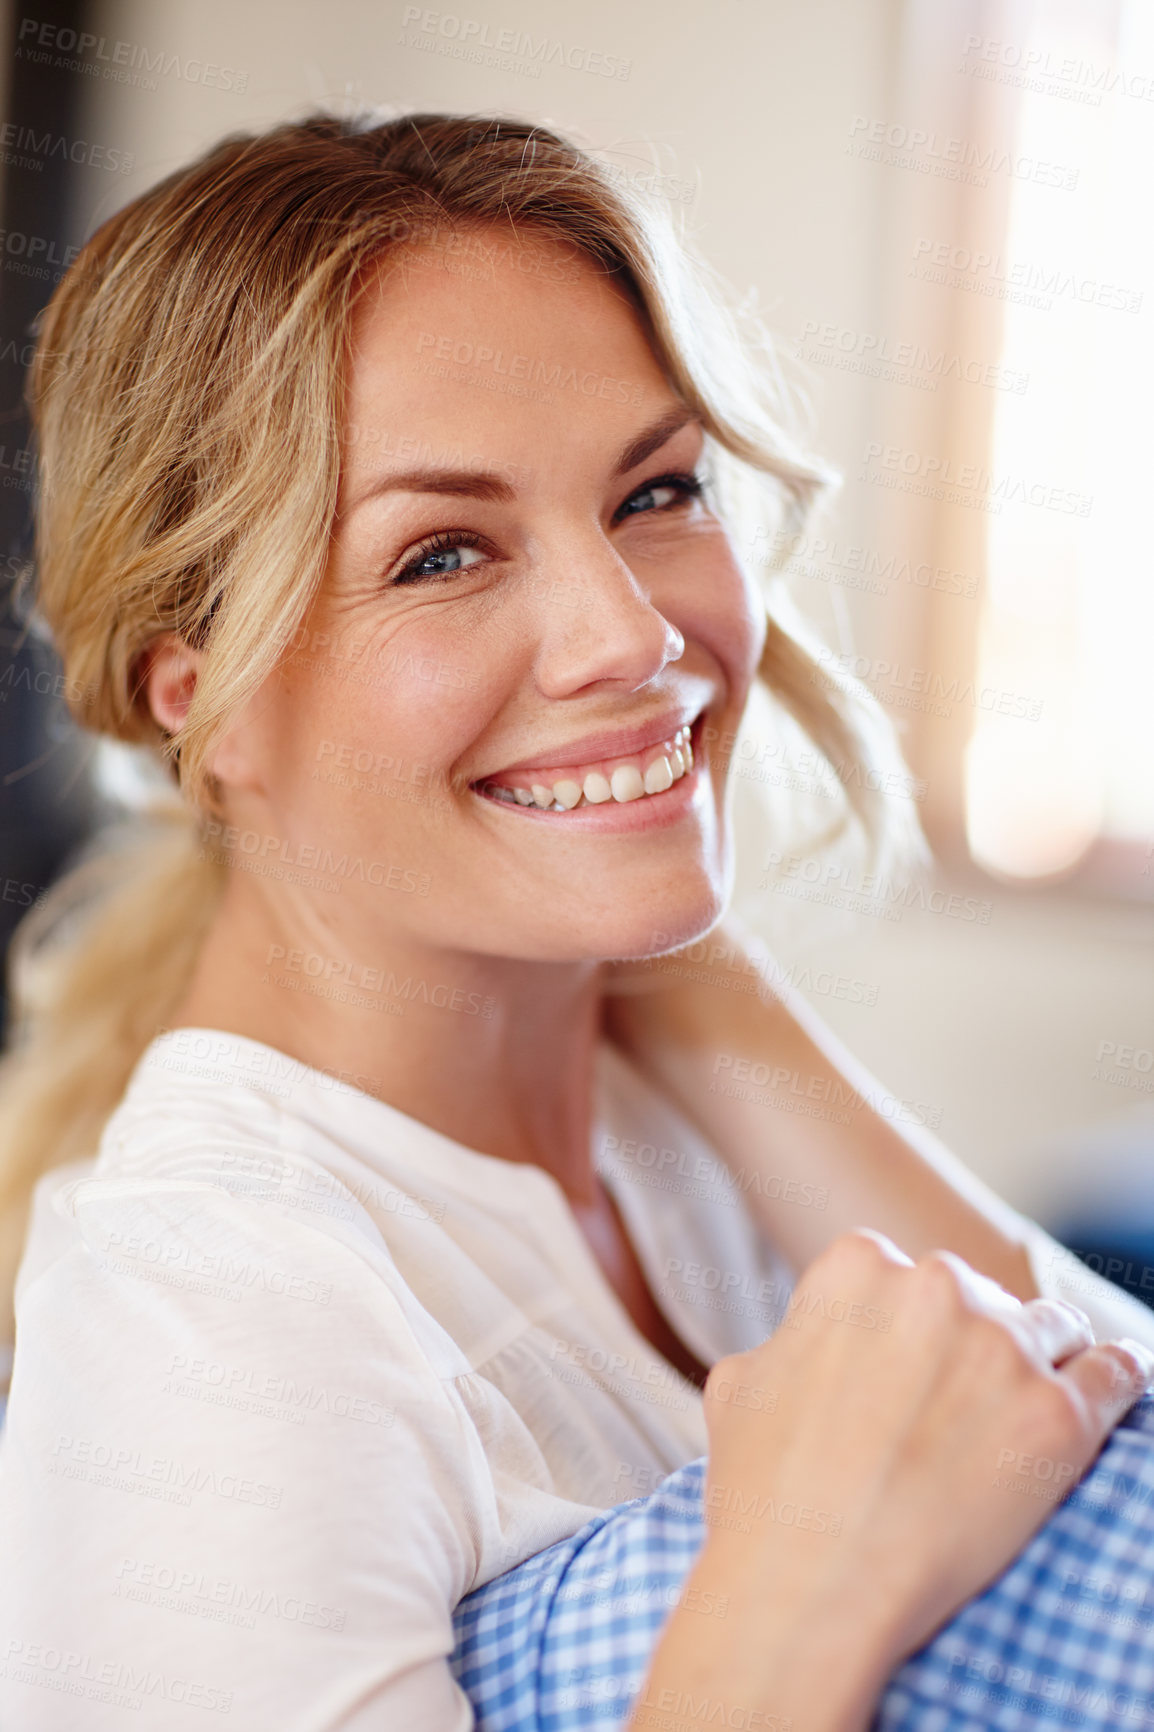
x=1064 y=1637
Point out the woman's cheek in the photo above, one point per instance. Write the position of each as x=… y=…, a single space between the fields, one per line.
x=726 y=613
x=387 y=674
x=411 y=721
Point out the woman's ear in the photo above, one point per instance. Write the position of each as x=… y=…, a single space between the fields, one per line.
x=169 y=672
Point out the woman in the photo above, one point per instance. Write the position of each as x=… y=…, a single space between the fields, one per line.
x=381 y=486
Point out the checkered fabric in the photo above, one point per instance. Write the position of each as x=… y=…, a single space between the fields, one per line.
x=1065 y=1637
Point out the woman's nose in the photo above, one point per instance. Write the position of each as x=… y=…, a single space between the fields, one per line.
x=596 y=622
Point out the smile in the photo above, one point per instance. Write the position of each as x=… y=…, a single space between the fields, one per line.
x=643 y=776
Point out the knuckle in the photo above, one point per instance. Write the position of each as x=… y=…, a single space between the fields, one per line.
x=1121 y=1367
x=734 y=1368
x=939 y=1284
x=858 y=1250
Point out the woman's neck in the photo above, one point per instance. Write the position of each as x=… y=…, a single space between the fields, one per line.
x=495 y=1052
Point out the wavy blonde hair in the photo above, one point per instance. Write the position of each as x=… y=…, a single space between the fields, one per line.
x=187 y=397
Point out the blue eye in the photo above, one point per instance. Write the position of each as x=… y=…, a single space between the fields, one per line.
x=441 y=557
x=681 y=488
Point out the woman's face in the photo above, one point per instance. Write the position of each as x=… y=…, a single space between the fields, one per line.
x=525 y=592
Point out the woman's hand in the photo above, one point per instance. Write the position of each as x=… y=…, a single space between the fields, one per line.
x=875 y=1463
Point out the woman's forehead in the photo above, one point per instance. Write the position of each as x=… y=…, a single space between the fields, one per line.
x=536 y=291
x=502 y=361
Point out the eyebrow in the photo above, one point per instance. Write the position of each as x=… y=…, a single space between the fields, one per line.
x=485 y=484
x=652 y=439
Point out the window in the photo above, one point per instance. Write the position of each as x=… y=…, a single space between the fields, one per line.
x=1068 y=614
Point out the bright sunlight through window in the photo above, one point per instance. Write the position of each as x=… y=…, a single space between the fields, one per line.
x=1069 y=608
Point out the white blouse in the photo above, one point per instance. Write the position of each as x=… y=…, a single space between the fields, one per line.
x=294 y=1373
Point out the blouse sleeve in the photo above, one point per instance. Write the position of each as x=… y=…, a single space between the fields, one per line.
x=233 y=1482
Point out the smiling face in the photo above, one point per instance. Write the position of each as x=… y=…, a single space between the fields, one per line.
x=527 y=597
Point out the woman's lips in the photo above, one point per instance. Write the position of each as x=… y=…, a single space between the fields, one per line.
x=606 y=744
x=621 y=780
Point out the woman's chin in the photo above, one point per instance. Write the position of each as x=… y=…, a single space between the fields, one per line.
x=663 y=924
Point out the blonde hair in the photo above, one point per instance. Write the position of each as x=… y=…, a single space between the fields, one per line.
x=187 y=396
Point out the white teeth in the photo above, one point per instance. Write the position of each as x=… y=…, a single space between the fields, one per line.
x=658 y=776
x=626 y=783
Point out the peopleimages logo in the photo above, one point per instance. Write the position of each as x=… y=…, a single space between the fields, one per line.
x=989 y=274
x=123 y=1683
x=533 y=370
x=1043 y=69
x=473 y=38
x=24 y=147
x=121 y=62
x=34 y=256
x=960 y=159
x=899 y=361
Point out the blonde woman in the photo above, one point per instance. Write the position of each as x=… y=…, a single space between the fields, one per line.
x=386 y=483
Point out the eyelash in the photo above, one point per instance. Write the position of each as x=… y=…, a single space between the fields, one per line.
x=687 y=486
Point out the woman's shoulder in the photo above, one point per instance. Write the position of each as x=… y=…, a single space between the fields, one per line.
x=193 y=1086
x=218 y=1192
x=191 y=1289
x=207 y=1106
